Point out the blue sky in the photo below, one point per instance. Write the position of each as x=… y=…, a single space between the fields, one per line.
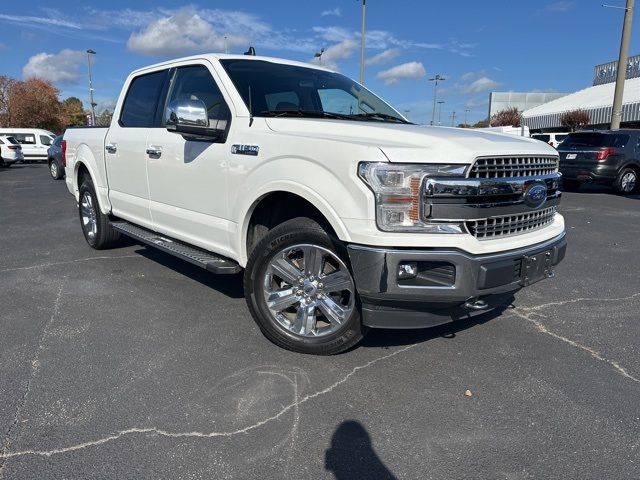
x=479 y=46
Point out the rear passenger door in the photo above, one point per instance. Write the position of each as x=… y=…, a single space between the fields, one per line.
x=125 y=145
x=188 y=178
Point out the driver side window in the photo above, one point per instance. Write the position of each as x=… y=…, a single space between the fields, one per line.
x=196 y=83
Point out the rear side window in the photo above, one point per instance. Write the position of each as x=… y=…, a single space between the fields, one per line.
x=25 y=138
x=46 y=140
x=597 y=140
x=542 y=138
x=140 y=104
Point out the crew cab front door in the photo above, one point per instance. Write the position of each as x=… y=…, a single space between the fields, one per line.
x=188 y=178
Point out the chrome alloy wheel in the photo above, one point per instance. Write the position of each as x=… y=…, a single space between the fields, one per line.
x=88 y=215
x=628 y=182
x=308 y=290
x=53 y=168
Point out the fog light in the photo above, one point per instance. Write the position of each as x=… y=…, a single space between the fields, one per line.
x=407 y=270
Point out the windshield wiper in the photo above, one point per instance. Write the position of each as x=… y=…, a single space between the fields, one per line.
x=380 y=116
x=305 y=113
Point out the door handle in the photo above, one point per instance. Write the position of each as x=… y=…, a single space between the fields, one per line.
x=154 y=152
x=111 y=147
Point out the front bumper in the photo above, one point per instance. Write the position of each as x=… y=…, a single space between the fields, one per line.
x=450 y=284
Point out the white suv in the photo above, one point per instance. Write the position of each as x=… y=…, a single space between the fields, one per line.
x=10 y=151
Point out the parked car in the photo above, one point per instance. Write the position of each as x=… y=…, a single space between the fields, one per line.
x=54 y=159
x=34 y=141
x=553 y=139
x=343 y=214
x=10 y=151
x=607 y=157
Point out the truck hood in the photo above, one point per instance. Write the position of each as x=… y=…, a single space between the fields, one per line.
x=414 y=143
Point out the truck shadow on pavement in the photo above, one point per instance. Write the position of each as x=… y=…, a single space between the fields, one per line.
x=351 y=454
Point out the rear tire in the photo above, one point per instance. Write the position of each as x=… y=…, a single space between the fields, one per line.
x=55 y=170
x=95 y=225
x=627 y=181
x=300 y=290
x=570 y=185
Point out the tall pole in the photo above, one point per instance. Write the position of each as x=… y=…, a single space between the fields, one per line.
x=453 y=118
x=466 y=111
x=440 y=102
x=93 y=104
x=616 y=116
x=435 y=81
x=362 y=41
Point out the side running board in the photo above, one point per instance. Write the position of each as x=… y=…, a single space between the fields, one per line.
x=202 y=258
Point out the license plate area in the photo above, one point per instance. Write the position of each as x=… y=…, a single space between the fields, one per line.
x=571 y=156
x=536 y=267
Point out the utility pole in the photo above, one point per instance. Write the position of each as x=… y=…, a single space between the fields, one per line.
x=93 y=104
x=616 y=116
x=466 y=111
x=435 y=81
x=453 y=118
x=362 y=41
x=318 y=55
x=440 y=102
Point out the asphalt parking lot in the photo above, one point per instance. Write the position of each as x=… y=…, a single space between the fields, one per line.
x=128 y=363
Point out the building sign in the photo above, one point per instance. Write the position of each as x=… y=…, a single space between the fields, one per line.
x=607 y=72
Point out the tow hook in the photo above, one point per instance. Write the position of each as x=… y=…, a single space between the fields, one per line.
x=476 y=304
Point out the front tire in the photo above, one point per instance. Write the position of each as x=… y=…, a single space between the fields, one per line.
x=300 y=290
x=96 y=227
x=627 y=181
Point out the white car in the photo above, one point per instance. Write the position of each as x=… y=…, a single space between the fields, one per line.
x=342 y=214
x=34 y=141
x=10 y=151
x=553 y=139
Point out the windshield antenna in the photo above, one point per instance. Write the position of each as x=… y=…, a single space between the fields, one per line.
x=250 y=108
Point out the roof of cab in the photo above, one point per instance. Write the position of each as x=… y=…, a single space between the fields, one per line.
x=226 y=56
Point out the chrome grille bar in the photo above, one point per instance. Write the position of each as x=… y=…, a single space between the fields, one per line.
x=501 y=226
x=501 y=167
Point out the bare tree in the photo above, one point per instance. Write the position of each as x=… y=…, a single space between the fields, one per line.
x=509 y=117
x=6 y=84
x=574 y=119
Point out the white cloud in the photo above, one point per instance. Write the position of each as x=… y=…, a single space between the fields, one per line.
x=482 y=84
x=62 y=68
x=185 y=31
x=339 y=51
x=333 y=34
x=383 y=57
x=558 y=7
x=335 y=12
x=412 y=70
x=29 y=20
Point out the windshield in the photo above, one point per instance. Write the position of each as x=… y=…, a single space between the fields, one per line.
x=288 y=90
x=597 y=140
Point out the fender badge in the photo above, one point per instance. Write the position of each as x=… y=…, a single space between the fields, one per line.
x=245 y=150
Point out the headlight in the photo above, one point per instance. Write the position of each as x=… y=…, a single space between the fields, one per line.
x=397 y=191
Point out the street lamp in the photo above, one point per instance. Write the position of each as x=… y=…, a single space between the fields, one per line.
x=435 y=81
x=362 y=41
x=318 y=55
x=616 y=114
x=440 y=102
x=93 y=104
x=466 y=111
x=453 y=118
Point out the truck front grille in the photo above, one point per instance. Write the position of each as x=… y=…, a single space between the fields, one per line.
x=500 y=167
x=494 y=227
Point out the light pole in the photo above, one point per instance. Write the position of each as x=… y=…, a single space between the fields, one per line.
x=466 y=111
x=318 y=55
x=93 y=104
x=616 y=115
x=453 y=118
x=362 y=41
x=440 y=102
x=435 y=81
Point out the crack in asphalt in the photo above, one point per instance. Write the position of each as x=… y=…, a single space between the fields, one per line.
x=67 y=262
x=35 y=366
x=527 y=313
x=153 y=431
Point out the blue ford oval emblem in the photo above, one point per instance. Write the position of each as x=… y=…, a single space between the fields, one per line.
x=535 y=195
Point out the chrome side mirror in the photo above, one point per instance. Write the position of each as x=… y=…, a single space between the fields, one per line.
x=190 y=119
x=187 y=112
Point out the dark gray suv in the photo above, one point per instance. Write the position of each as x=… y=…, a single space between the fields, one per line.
x=54 y=159
x=609 y=157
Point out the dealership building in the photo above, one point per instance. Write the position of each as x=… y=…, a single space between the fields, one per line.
x=597 y=100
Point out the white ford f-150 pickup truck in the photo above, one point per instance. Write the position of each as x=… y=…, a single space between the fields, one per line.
x=343 y=214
